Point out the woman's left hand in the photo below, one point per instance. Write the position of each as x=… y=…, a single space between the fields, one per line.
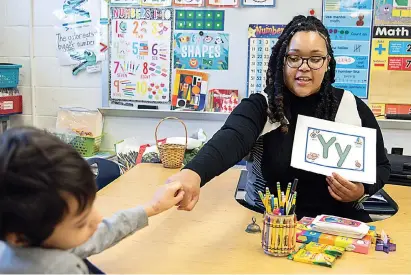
x=344 y=190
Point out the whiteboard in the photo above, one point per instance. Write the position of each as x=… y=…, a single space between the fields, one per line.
x=236 y=24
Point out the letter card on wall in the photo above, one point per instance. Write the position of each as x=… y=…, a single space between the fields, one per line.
x=261 y=38
x=140 y=52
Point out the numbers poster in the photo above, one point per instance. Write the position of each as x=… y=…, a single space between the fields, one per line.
x=141 y=54
x=349 y=25
x=261 y=39
x=201 y=50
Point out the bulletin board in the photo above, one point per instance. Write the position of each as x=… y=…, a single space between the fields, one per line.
x=391 y=53
x=225 y=60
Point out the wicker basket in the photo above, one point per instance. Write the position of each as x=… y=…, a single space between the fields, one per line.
x=171 y=155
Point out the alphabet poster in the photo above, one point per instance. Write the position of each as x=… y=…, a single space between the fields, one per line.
x=201 y=50
x=141 y=54
x=324 y=147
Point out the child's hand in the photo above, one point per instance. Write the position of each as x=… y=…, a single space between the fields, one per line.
x=166 y=197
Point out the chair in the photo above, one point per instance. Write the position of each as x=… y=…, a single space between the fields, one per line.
x=107 y=171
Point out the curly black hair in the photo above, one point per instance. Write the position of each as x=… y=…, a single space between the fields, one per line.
x=327 y=107
x=36 y=169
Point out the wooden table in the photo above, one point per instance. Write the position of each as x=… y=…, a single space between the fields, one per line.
x=211 y=238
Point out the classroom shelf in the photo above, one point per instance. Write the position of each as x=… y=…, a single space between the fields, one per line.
x=190 y=115
x=184 y=115
x=394 y=124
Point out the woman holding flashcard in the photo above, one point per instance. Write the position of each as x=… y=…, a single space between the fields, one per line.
x=300 y=74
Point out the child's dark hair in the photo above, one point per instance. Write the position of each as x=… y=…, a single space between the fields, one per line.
x=36 y=169
x=275 y=79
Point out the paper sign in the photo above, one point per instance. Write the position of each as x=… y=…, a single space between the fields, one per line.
x=324 y=147
x=75 y=41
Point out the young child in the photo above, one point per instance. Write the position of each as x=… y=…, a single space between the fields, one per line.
x=48 y=221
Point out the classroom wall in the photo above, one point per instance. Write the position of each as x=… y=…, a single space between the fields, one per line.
x=32 y=44
x=28 y=38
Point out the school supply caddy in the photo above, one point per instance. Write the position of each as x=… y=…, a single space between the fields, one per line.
x=278 y=235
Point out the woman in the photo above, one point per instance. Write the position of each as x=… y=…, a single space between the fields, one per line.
x=299 y=77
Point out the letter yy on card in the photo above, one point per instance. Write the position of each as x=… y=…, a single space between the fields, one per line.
x=324 y=147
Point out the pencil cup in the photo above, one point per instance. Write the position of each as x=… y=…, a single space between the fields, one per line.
x=278 y=236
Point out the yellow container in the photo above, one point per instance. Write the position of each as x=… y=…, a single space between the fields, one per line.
x=278 y=236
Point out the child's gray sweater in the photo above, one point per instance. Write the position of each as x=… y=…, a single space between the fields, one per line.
x=15 y=260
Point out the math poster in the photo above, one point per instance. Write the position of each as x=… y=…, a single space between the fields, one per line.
x=141 y=54
x=392 y=12
x=201 y=50
x=390 y=65
x=349 y=25
x=261 y=39
x=324 y=147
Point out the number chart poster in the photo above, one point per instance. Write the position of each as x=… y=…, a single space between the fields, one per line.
x=390 y=65
x=201 y=50
x=349 y=25
x=141 y=54
x=261 y=39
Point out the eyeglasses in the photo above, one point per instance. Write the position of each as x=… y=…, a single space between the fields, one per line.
x=313 y=62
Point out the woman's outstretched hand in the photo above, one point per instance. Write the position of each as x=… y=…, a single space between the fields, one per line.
x=190 y=181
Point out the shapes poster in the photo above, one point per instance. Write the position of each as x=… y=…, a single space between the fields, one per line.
x=141 y=54
x=324 y=147
x=190 y=90
x=390 y=65
x=349 y=25
x=261 y=39
x=259 y=3
x=201 y=50
x=210 y=20
x=392 y=12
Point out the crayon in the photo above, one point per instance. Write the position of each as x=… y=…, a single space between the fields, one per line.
x=280 y=236
x=274 y=237
x=269 y=233
x=272 y=203
x=285 y=235
x=277 y=235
